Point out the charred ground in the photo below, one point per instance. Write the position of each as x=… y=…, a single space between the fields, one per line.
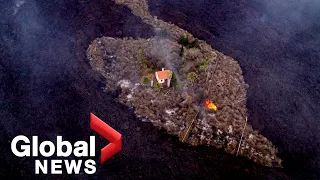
x=179 y=109
x=48 y=89
x=277 y=46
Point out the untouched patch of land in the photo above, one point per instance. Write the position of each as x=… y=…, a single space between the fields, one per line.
x=200 y=73
x=278 y=53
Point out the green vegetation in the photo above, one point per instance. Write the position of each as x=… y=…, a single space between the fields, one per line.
x=194 y=44
x=192 y=76
x=145 y=80
x=210 y=57
x=174 y=81
x=204 y=65
x=184 y=41
x=142 y=59
x=157 y=86
x=170 y=74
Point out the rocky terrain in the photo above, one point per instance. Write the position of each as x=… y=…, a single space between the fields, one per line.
x=277 y=46
x=48 y=87
x=180 y=109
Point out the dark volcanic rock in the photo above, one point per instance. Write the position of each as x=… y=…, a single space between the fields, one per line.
x=277 y=46
x=48 y=89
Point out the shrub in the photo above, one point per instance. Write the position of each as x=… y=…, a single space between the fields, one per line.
x=210 y=58
x=174 y=81
x=194 y=44
x=184 y=41
x=170 y=73
x=145 y=80
x=157 y=86
x=142 y=59
x=192 y=76
x=203 y=67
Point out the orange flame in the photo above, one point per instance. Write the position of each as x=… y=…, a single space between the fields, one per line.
x=210 y=105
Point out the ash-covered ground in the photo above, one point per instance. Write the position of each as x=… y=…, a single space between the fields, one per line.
x=180 y=109
x=48 y=88
x=277 y=44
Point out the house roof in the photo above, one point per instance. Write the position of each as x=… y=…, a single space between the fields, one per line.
x=162 y=75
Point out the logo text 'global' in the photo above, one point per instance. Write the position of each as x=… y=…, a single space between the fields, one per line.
x=83 y=151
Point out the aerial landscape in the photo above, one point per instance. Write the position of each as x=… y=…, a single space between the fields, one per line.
x=198 y=89
x=197 y=74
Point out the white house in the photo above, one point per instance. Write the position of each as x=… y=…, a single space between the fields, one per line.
x=164 y=75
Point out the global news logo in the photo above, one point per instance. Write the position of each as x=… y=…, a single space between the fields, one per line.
x=64 y=148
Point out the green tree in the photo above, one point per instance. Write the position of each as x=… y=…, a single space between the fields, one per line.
x=184 y=41
x=142 y=59
x=192 y=76
x=174 y=81
x=204 y=64
x=145 y=80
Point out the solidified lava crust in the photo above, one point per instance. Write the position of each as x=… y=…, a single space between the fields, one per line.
x=179 y=109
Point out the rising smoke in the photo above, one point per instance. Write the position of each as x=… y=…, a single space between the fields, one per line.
x=277 y=44
x=161 y=49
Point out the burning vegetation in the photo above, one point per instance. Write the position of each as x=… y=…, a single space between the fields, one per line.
x=202 y=98
x=210 y=105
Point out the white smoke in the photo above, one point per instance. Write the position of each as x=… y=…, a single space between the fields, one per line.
x=161 y=49
x=18 y=4
x=291 y=15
